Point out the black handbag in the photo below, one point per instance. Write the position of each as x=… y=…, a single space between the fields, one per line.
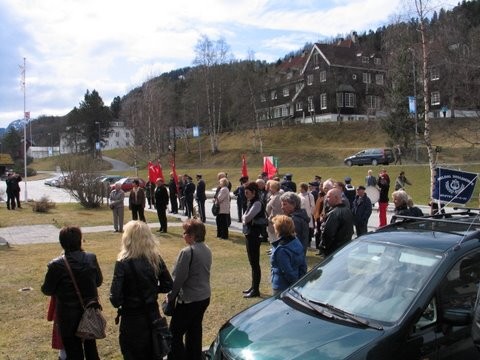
x=215 y=209
x=161 y=335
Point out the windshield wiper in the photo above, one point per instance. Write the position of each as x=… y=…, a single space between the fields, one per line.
x=347 y=315
x=303 y=301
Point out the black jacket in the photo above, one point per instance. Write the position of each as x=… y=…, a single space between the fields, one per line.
x=87 y=274
x=133 y=295
x=301 y=220
x=161 y=197
x=338 y=228
x=201 y=196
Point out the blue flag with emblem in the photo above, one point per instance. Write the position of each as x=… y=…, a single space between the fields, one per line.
x=454 y=186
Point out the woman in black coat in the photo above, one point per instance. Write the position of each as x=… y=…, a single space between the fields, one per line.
x=58 y=283
x=139 y=275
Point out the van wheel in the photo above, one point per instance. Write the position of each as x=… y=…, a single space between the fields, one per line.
x=374 y=162
x=349 y=163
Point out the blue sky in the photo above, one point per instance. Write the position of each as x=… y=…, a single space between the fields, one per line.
x=113 y=46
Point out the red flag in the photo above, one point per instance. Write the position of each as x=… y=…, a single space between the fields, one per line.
x=244 y=167
x=154 y=172
x=268 y=166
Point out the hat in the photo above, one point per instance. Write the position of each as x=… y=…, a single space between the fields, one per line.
x=361 y=187
x=199 y=175
x=314 y=183
x=318 y=177
x=288 y=176
x=348 y=179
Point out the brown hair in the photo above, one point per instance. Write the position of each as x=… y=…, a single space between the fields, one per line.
x=196 y=228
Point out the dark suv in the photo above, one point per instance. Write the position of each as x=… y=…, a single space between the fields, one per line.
x=406 y=291
x=371 y=157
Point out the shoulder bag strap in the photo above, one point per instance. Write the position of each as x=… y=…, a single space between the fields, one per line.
x=77 y=290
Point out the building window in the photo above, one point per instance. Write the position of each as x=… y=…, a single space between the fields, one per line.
x=434 y=73
x=365 y=59
x=299 y=106
x=263 y=98
x=339 y=100
x=127 y=134
x=323 y=76
x=278 y=112
x=379 y=79
x=273 y=94
x=289 y=75
x=310 y=104
x=349 y=100
x=377 y=61
x=117 y=133
x=435 y=98
x=286 y=91
x=316 y=60
x=323 y=101
x=345 y=100
x=367 y=78
x=298 y=87
x=310 y=79
x=373 y=102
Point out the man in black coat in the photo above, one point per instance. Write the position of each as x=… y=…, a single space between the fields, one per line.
x=188 y=192
x=161 y=202
x=338 y=226
x=362 y=209
x=201 y=197
x=172 y=189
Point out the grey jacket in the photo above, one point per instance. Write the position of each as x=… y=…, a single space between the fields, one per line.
x=116 y=198
x=191 y=281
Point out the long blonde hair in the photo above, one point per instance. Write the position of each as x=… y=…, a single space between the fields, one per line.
x=137 y=242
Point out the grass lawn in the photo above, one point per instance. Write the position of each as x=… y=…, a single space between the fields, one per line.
x=26 y=334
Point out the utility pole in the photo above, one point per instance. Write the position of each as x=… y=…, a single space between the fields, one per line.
x=24 y=70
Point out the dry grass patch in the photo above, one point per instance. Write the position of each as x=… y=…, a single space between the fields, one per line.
x=25 y=333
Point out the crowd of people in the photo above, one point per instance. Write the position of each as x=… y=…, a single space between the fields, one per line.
x=329 y=212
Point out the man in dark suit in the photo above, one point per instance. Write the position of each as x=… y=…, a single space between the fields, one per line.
x=201 y=197
x=188 y=192
x=161 y=202
x=172 y=189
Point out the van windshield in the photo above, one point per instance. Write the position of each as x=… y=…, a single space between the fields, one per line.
x=373 y=280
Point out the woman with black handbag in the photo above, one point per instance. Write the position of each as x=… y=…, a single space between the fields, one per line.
x=254 y=221
x=59 y=283
x=139 y=275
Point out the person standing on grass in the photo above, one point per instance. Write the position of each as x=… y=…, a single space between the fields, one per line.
x=222 y=198
x=361 y=209
x=140 y=274
x=161 y=201
x=191 y=290
x=252 y=229
x=173 y=192
x=116 y=199
x=136 y=201
x=58 y=283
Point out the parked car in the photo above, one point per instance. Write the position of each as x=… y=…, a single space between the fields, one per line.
x=110 y=179
x=406 y=291
x=57 y=181
x=371 y=157
x=127 y=183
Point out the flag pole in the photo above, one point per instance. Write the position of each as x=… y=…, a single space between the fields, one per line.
x=24 y=70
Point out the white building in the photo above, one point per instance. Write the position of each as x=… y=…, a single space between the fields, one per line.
x=118 y=137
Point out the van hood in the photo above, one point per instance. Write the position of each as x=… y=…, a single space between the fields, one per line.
x=274 y=330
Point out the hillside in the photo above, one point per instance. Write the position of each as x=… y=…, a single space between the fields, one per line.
x=324 y=144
